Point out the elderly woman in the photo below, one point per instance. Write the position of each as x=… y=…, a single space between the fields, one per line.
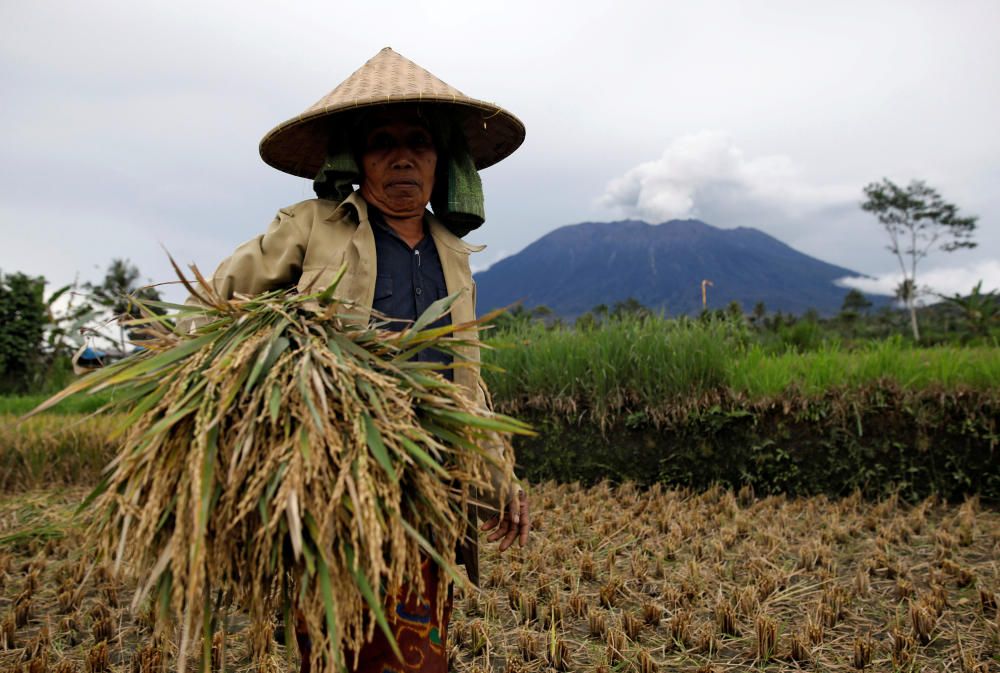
x=408 y=140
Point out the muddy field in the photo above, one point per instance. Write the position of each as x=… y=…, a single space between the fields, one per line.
x=613 y=580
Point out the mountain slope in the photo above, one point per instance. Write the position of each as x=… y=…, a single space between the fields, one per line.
x=576 y=267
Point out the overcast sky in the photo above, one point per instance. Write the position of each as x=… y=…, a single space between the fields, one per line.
x=127 y=125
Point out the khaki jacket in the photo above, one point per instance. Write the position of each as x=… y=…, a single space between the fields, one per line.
x=307 y=243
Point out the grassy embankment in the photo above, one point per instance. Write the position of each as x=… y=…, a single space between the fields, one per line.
x=702 y=402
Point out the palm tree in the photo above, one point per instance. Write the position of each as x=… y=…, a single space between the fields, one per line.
x=117 y=292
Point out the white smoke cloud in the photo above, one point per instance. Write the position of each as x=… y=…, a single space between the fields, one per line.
x=941 y=280
x=705 y=175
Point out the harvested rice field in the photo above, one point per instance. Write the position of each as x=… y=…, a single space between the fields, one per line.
x=615 y=579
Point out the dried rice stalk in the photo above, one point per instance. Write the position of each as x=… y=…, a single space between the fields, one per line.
x=292 y=460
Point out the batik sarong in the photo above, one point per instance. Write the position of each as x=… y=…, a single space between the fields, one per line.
x=422 y=639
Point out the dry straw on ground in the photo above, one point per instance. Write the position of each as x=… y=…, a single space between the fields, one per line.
x=724 y=581
x=285 y=459
x=672 y=549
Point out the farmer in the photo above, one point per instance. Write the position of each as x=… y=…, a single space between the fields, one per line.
x=408 y=140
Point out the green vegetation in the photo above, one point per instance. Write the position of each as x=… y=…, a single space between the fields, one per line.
x=759 y=373
x=652 y=365
x=18 y=405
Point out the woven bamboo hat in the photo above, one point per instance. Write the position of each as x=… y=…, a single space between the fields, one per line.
x=298 y=146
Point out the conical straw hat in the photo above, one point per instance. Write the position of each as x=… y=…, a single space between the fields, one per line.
x=298 y=146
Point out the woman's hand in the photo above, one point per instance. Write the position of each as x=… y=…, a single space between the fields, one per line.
x=515 y=525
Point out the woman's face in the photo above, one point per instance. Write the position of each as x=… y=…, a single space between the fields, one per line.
x=398 y=165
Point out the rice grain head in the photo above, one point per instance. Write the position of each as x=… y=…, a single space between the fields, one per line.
x=286 y=456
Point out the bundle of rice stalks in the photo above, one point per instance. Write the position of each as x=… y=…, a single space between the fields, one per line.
x=293 y=459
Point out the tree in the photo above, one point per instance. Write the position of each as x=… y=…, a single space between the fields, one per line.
x=117 y=291
x=980 y=310
x=856 y=302
x=917 y=220
x=22 y=330
x=629 y=308
x=585 y=322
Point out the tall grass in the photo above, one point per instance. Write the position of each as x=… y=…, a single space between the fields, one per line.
x=18 y=405
x=637 y=364
x=761 y=374
x=622 y=364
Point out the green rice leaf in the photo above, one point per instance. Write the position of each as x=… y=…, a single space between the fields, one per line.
x=373 y=603
x=345 y=345
x=45 y=531
x=167 y=512
x=450 y=437
x=373 y=398
x=326 y=296
x=164 y=586
x=165 y=423
x=497 y=424
x=97 y=491
x=206 y=635
x=269 y=353
x=274 y=404
x=433 y=313
x=377 y=447
x=329 y=607
x=433 y=553
x=156 y=362
x=423 y=457
x=310 y=559
x=207 y=477
x=308 y=398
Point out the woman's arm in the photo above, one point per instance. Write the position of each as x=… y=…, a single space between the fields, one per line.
x=266 y=262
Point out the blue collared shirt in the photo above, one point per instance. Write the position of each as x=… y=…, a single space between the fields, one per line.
x=407 y=281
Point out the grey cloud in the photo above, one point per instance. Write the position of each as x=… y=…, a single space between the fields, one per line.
x=126 y=124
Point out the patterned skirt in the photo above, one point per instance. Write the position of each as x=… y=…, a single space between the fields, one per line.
x=422 y=639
